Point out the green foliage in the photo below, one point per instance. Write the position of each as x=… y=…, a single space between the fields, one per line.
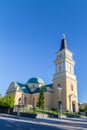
x=85 y=109
x=40 y=102
x=72 y=115
x=0 y=95
x=81 y=108
x=10 y=101
x=3 y=102
x=7 y=101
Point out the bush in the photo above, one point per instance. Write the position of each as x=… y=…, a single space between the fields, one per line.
x=6 y=104
x=72 y=115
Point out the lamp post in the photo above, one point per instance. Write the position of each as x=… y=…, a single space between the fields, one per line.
x=21 y=100
x=59 y=88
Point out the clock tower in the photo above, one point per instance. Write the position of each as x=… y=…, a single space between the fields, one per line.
x=64 y=80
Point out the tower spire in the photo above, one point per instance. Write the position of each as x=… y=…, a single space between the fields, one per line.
x=63 y=42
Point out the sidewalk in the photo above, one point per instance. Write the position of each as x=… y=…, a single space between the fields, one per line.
x=64 y=123
x=46 y=119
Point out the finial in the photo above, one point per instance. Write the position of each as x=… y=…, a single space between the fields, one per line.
x=63 y=36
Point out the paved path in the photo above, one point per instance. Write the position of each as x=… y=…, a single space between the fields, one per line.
x=47 y=123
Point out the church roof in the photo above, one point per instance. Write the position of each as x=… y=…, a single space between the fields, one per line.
x=49 y=85
x=63 y=43
x=23 y=88
x=35 y=80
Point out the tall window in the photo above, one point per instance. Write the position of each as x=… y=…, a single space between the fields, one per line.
x=57 y=68
x=19 y=101
x=57 y=56
x=25 y=100
x=71 y=87
x=60 y=67
x=63 y=65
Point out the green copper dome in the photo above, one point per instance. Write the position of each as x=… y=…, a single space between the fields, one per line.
x=36 y=80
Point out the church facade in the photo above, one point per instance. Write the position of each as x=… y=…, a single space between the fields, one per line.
x=61 y=93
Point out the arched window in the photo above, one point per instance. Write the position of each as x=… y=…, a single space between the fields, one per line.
x=72 y=87
x=19 y=101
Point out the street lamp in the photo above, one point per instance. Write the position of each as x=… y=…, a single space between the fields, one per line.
x=59 y=88
x=21 y=100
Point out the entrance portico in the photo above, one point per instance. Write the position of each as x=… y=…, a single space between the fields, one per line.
x=73 y=103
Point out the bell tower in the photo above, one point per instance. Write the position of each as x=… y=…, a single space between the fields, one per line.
x=65 y=79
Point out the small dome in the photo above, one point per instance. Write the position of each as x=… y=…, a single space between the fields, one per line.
x=36 y=80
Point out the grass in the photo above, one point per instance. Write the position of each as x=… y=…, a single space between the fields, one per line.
x=38 y=111
x=72 y=115
x=50 y=112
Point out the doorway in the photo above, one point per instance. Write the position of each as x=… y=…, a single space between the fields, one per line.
x=73 y=107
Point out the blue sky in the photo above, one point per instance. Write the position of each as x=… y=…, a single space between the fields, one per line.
x=30 y=35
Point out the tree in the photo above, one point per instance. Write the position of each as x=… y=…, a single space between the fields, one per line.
x=81 y=109
x=7 y=103
x=40 y=102
x=10 y=101
x=0 y=95
x=85 y=109
x=3 y=102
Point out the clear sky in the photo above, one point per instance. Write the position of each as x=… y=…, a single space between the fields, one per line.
x=30 y=35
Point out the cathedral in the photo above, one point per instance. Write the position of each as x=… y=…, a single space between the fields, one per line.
x=61 y=93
